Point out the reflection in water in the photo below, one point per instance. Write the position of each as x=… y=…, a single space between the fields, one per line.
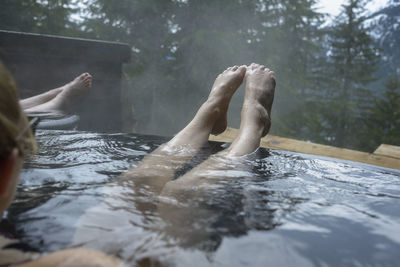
x=271 y=208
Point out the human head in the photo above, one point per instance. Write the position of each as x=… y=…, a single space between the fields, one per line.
x=13 y=145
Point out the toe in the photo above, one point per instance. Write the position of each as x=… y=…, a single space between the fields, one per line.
x=242 y=69
x=254 y=65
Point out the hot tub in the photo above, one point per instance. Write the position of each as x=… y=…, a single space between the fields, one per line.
x=273 y=208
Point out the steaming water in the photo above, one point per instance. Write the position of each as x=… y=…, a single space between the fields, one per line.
x=273 y=208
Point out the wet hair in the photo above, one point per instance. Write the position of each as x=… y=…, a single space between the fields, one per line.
x=12 y=119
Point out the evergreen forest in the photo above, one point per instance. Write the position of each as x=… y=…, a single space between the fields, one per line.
x=338 y=77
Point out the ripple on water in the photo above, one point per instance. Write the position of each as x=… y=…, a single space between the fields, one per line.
x=276 y=208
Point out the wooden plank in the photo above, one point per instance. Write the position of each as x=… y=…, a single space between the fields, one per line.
x=276 y=142
x=388 y=151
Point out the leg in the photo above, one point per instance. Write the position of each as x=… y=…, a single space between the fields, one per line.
x=66 y=96
x=255 y=123
x=210 y=176
x=256 y=111
x=211 y=117
x=39 y=99
x=159 y=167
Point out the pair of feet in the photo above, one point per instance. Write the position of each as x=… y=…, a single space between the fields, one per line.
x=260 y=88
x=212 y=115
x=61 y=98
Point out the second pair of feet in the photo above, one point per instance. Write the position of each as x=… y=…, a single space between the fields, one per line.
x=60 y=98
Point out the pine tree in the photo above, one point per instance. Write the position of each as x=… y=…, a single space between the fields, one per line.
x=146 y=26
x=383 y=121
x=354 y=60
x=212 y=35
x=45 y=17
x=388 y=31
x=293 y=48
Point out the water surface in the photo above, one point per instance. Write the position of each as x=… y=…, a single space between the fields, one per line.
x=272 y=208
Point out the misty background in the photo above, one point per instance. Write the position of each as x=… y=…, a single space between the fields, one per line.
x=337 y=78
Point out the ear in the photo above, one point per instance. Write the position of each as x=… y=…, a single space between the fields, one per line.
x=7 y=166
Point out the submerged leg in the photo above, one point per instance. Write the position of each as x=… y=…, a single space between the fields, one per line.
x=66 y=95
x=185 y=202
x=159 y=167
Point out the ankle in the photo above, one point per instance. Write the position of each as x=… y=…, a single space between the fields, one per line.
x=212 y=103
x=255 y=118
x=208 y=112
x=221 y=93
x=55 y=91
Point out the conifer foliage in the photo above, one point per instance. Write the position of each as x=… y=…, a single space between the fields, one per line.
x=330 y=75
x=353 y=58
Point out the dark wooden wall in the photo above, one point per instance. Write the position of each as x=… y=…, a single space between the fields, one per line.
x=41 y=62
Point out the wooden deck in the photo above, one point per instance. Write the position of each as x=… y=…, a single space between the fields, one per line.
x=388 y=151
x=386 y=155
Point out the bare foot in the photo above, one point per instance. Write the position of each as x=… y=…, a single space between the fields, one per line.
x=260 y=89
x=256 y=111
x=67 y=95
x=211 y=116
x=223 y=89
x=75 y=89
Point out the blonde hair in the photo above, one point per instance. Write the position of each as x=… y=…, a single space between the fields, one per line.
x=12 y=118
